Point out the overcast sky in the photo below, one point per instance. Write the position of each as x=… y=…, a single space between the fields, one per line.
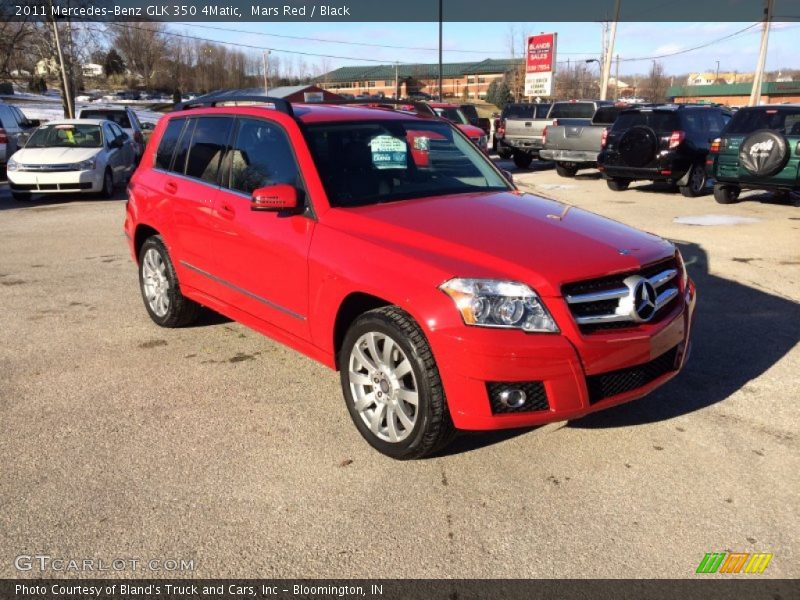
x=476 y=41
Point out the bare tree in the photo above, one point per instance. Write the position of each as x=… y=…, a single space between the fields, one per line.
x=656 y=84
x=143 y=45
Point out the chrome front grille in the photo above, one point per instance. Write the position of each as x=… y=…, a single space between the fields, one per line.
x=624 y=300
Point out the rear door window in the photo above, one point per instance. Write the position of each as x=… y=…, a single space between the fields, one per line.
x=166 y=147
x=208 y=146
x=182 y=149
x=260 y=156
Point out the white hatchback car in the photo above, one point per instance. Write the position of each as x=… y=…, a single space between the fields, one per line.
x=73 y=155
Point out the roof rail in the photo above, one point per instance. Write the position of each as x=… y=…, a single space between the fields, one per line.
x=422 y=109
x=216 y=98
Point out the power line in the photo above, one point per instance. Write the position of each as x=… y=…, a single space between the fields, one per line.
x=704 y=45
x=346 y=43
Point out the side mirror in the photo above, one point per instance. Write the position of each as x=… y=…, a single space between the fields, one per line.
x=275 y=198
x=507 y=175
x=33 y=122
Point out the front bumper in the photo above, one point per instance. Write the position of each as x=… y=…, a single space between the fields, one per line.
x=573 y=156
x=579 y=373
x=55 y=182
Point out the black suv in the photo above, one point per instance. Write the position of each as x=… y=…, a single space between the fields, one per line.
x=662 y=143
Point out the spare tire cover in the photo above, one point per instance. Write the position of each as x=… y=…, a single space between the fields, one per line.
x=638 y=146
x=763 y=153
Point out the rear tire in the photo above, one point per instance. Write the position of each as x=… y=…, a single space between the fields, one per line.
x=618 y=184
x=522 y=160
x=566 y=171
x=385 y=354
x=697 y=182
x=726 y=194
x=160 y=288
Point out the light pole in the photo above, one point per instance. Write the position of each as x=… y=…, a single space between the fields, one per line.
x=716 y=77
x=599 y=66
x=265 y=56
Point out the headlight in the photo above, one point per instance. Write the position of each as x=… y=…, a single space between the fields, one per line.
x=86 y=165
x=497 y=303
x=12 y=165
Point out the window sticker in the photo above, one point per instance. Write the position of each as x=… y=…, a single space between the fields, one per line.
x=423 y=144
x=388 y=152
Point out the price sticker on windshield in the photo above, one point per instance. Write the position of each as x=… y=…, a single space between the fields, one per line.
x=388 y=152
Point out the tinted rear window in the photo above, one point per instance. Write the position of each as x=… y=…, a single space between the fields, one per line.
x=120 y=117
x=169 y=140
x=518 y=111
x=208 y=146
x=748 y=120
x=658 y=120
x=607 y=114
x=572 y=110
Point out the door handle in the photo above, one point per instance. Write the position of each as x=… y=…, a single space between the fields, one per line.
x=170 y=187
x=227 y=211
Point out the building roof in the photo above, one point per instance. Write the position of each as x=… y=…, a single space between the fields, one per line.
x=419 y=70
x=734 y=89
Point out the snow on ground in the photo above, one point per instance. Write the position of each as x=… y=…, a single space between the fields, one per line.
x=49 y=111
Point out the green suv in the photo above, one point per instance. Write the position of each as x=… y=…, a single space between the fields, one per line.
x=759 y=149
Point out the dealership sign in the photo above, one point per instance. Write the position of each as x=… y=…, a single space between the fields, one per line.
x=540 y=63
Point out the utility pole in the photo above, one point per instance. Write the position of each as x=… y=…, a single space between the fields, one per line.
x=265 y=56
x=396 y=81
x=716 y=77
x=64 y=78
x=608 y=54
x=755 y=94
x=440 y=48
x=616 y=79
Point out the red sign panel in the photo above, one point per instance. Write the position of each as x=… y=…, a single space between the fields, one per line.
x=541 y=54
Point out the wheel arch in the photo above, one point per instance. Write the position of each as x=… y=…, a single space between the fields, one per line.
x=140 y=236
x=352 y=306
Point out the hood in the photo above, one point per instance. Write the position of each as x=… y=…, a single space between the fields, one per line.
x=471 y=131
x=505 y=234
x=54 y=156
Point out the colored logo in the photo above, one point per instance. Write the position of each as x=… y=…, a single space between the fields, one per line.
x=734 y=562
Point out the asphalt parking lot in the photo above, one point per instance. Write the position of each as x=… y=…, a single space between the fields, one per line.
x=214 y=444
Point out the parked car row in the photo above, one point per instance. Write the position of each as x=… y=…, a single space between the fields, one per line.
x=15 y=128
x=684 y=145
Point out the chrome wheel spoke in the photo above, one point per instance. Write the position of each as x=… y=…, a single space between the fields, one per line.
x=383 y=386
x=408 y=396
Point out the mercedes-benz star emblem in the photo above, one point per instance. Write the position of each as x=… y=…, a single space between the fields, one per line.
x=644 y=300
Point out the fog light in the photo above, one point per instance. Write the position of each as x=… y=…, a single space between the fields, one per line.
x=513 y=398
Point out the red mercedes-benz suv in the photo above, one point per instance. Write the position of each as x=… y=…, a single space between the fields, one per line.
x=386 y=245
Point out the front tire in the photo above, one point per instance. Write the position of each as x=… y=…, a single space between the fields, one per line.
x=726 y=194
x=392 y=387
x=522 y=160
x=618 y=184
x=697 y=182
x=107 y=191
x=161 y=291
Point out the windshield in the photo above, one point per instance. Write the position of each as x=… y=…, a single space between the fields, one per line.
x=572 y=110
x=747 y=120
x=66 y=136
x=372 y=162
x=452 y=114
x=120 y=117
